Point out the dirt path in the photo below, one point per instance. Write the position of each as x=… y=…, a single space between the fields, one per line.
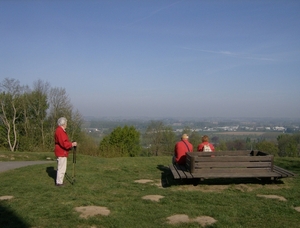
x=5 y=166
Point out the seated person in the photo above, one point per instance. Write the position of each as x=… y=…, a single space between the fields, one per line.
x=205 y=145
x=180 y=150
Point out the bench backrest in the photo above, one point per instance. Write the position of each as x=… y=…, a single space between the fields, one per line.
x=239 y=161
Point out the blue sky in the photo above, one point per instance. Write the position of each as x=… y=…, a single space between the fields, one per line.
x=139 y=58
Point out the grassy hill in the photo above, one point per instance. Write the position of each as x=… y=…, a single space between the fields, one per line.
x=140 y=192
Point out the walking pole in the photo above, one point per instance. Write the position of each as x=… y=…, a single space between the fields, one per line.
x=74 y=162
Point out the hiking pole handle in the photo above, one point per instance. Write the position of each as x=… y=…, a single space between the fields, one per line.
x=74 y=153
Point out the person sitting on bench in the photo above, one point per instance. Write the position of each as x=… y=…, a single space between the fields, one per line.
x=180 y=150
x=205 y=145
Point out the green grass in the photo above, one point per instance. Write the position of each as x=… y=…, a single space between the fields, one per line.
x=111 y=183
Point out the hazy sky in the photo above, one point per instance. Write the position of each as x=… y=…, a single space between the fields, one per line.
x=158 y=58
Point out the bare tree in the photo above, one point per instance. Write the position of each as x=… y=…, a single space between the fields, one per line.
x=154 y=137
x=41 y=90
x=35 y=108
x=11 y=109
x=60 y=105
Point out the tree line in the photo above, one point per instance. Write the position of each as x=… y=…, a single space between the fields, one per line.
x=28 y=117
x=159 y=140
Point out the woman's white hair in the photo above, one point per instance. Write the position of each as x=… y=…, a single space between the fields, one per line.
x=61 y=121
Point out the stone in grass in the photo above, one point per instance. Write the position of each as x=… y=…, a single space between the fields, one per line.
x=153 y=197
x=143 y=181
x=88 y=211
x=273 y=197
x=6 y=197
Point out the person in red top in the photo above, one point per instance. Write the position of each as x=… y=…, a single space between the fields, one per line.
x=62 y=147
x=180 y=150
x=205 y=145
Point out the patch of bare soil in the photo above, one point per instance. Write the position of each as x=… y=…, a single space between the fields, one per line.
x=273 y=197
x=181 y=218
x=153 y=197
x=6 y=197
x=297 y=209
x=89 y=211
x=143 y=181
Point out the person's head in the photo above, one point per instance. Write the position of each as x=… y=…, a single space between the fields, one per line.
x=205 y=138
x=184 y=137
x=62 y=121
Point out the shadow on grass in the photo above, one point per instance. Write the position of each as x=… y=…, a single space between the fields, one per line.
x=51 y=173
x=230 y=181
x=9 y=219
x=167 y=180
x=71 y=179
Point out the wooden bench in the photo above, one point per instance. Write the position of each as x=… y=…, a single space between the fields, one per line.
x=228 y=164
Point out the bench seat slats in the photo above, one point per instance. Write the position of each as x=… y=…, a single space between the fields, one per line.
x=283 y=172
x=175 y=172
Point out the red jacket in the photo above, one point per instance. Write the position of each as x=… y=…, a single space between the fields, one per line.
x=62 y=143
x=181 y=149
x=201 y=146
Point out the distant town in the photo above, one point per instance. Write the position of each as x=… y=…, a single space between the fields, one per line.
x=199 y=125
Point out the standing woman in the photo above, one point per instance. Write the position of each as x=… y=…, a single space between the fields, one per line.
x=62 y=147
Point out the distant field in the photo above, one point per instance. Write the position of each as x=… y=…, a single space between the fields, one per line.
x=240 y=133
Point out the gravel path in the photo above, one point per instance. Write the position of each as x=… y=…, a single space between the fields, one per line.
x=5 y=166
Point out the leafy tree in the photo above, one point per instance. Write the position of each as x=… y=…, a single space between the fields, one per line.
x=221 y=146
x=249 y=144
x=121 y=142
x=237 y=144
x=87 y=145
x=195 y=139
x=215 y=139
x=287 y=145
x=267 y=147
